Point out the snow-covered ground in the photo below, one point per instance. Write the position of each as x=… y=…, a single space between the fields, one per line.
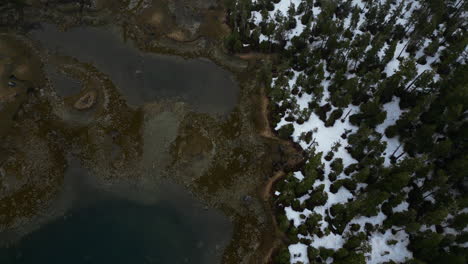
x=393 y=144
x=385 y=246
x=298 y=253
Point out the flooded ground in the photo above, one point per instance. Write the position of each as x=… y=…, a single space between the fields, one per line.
x=156 y=157
x=101 y=227
x=99 y=215
x=120 y=232
x=64 y=85
x=143 y=77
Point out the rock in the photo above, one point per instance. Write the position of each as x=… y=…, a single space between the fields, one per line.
x=247 y=199
x=86 y=101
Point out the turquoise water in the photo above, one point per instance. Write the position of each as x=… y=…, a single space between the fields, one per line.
x=164 y=225
x=118 y=232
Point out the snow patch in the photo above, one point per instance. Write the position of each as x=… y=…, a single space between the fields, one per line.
x=331 y=241
x=298 y=253
x=401 y=207
x=393 y=144
x=386 y=247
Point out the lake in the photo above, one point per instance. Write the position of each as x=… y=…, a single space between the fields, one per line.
x=164 y=226
x=144 y=77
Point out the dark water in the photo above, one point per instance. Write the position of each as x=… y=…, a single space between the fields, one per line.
x=101 y=228
x=144 y=77
x=64 y=85
x=126 y=225
x=118 y=232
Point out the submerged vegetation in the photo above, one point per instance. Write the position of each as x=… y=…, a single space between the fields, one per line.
x=376 y=93
x=81 y=113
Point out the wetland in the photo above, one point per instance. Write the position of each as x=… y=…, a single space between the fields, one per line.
x=128 y=135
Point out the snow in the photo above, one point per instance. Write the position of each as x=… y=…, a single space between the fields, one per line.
x=263 y=38
x=293 y=215
x=298 y=253
x=424 y=228
x=392 y=67
x=303 y=198
x=406 y=14
x=296 y=216
x=257 y=17
x=341 y=196
x=362 y=220
x=401 y=207
x=381 y=53
x=361 y=186
x=325 y=138
x=331 y=241
x=382 y=252
x=283 y=7
x=450 y=231
x=358 y=3
x=362 y=18
x=419 y=182
x=428 y=197
x=298 y=175
x=303 y=102
x=316 y=10
x=394 y=64
x=347 y=21
x=393 y=114
x=297 y=30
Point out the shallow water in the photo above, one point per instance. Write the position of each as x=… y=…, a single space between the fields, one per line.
x=164 y=223
x=144 y=77
x=63 y=84
x=102 y=227
x=119 y=231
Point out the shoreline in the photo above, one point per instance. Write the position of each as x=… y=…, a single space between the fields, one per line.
x=266 y=131
x=237 y=64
